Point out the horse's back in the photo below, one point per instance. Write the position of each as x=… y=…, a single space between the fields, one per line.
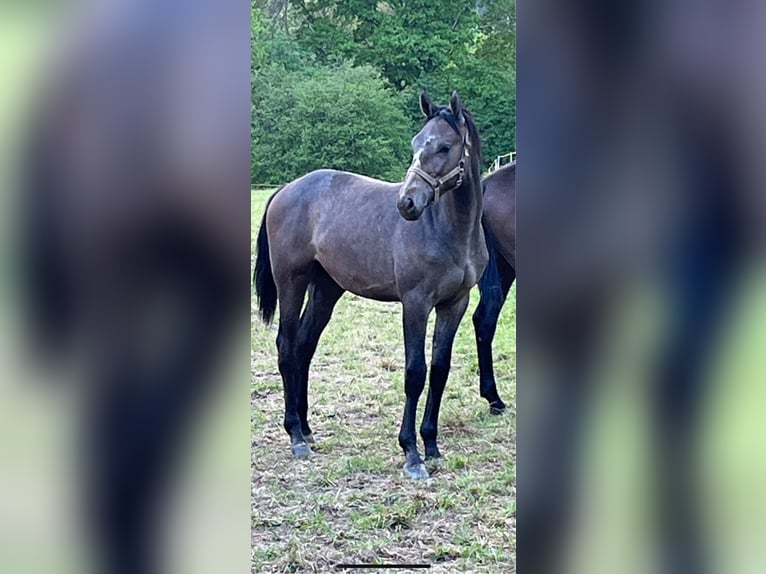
x=343 y=221
x=500 y=210
x=331 y=194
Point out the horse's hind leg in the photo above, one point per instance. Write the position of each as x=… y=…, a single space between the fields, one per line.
x=292 y=290
x=448 y=319
x=323 y=295
x=485 y=323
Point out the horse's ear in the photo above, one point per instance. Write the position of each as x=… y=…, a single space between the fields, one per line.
x=426 y=105
x=455 y=105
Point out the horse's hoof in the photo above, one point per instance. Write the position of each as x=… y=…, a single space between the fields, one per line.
x=416 y=470
x=301 y=450
x=497 y=408
x=309 y=438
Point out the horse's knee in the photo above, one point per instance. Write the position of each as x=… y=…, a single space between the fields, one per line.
x=287 y=363
x=415 y=378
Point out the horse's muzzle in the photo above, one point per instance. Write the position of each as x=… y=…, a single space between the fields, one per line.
x=408 y=209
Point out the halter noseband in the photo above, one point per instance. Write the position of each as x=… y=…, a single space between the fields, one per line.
x=437 y=183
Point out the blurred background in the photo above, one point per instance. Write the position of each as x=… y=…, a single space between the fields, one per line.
x=124 y=404
x=124 y=141
x=641 y=286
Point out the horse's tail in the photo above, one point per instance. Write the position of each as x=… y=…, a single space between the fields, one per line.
x=263 y=278
x=489 y=285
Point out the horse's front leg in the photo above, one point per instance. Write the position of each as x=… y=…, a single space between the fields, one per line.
x=448 y=319
x=416 y=312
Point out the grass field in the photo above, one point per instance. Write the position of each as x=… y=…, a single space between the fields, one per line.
x=350 y=502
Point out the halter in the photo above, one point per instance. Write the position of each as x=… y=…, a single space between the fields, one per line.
x=437 y=183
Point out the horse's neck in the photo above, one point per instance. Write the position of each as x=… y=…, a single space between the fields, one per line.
x=461 y=209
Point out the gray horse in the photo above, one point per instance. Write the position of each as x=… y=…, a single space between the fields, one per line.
x=419 y=242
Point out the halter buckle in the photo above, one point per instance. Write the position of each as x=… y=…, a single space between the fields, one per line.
x=460 y=172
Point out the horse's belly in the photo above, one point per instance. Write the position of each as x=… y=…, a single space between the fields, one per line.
x=363 y=278
x=376 y=294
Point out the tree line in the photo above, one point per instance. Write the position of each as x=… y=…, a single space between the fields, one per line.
x=335 y=83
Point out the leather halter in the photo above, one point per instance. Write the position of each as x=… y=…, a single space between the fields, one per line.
x=437 y=183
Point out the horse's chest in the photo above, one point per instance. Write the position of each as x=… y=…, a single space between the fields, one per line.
x=457 y=280
x=474 y=266
x=470 y=275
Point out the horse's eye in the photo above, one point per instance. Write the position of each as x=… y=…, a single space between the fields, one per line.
x=444 y=149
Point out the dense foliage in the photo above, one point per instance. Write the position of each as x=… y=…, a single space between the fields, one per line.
x=335 y=82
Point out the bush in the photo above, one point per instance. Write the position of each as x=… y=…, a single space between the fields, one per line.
x=340 y=117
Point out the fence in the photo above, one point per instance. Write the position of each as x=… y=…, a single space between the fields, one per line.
x=502 y=160
x=499 y=162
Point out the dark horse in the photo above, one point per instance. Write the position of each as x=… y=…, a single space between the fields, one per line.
x=419 y=242
x=500 y=230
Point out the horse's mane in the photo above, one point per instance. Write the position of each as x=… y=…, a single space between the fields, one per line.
x=445 y=113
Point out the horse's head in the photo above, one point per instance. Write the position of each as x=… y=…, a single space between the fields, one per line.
x=440 y=161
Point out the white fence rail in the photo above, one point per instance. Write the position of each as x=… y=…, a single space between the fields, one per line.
x=499 y=162
x=502 y=160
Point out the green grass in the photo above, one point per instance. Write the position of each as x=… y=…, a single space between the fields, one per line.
x=350 y=502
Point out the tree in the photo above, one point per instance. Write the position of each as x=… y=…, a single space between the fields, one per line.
x=403 y=39
x=497 y=31
x=488 y=91
x=340 y=117
x=339 y=86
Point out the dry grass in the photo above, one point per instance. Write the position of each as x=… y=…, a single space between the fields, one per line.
x=350 y=502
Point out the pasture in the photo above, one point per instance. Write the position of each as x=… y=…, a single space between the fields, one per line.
x=351 y=502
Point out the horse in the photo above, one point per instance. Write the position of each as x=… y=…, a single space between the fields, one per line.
x=419 y=242
x=499 y=221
